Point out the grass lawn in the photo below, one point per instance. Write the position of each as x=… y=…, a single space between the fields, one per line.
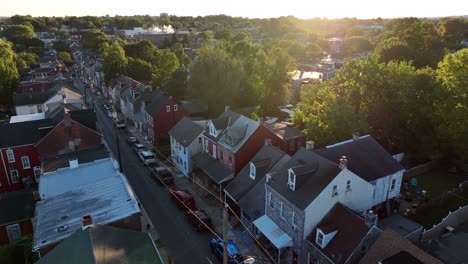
x=20 y=252
x=438 y=181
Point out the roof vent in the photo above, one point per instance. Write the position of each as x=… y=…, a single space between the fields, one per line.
x=73 y=163
x=62 y=228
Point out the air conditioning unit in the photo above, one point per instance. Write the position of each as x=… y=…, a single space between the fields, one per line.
x=294 y=227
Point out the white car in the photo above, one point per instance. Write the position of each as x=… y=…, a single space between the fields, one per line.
x=139 y=147
x=147 y=157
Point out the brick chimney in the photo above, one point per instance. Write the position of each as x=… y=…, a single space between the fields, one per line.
x=310 y=145
x=86 y=221
x=67 y=119
x=227 y=108
x=267 y=141
x=343 y=162
x=356 y=136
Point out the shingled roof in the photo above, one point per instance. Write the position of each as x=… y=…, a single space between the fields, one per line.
x=24 y=133
x=186 y=131
x=33 y=98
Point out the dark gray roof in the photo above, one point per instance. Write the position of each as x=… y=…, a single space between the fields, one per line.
x=399 y=224
x=212 y=168
x=186 y=131
x=193 y=107
x=83 y=156
x=86 y=117
x=265 y=159
x=16 y=206
x=33 y=98
x=226 y=118
x=103 y=244
x=366 y=158
x=24 y=133
x=314 y=173
x=158 y=102
x=285 y=131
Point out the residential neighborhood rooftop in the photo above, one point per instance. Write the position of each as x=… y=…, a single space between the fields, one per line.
x=24 y=133
x=238 y=132
x=284 y=130
x=399 y=224
x=18 y=204
x=33 y=98
x=186 y=131
x=83 y=156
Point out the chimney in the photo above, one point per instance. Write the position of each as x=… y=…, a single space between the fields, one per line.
x=260 y=120
x=343 y=162
x=370 y=218
x=67 y=120
x=310 y=145
x=36 y=196
x=267 y=141
x=356 y=136
x=86 y=221
x=73 y=163
x=71 y=145
x=227 y=108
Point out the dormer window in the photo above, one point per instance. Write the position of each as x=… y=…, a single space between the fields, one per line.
x=325 y=235
x=291 y=179
x=335 y=190
x=175 y=108
x=252 y=171
x=213 y=131
x=319 y=238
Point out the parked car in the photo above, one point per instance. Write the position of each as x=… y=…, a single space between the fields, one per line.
x=183 y=198
x=132 y=140
x=147 y=157
x=139 y=147
x=120 y=123
x=199 y=219
x=217 y=248
x=162 y=175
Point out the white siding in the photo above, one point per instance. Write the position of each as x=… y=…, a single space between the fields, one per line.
x=185 y=158
x=382 y=187
x=358 y=199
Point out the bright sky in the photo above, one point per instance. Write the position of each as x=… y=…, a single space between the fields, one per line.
x=244 y=8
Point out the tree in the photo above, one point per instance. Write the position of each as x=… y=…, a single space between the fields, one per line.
x=356 y=44
x=25 y=31
x=94 y=39
x=26 y=61
x=61 y=45
x=313 y=52
x=8 y=73
x=66 y=58
x=166 y=66
x=115 y=61
x=452 y=104
x=393 y=49
x=178 y=49
x=177 y=84
x=144 y=50
x=453 y=31
x=139 y=70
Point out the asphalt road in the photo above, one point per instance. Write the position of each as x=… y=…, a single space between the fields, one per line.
x=184 y=244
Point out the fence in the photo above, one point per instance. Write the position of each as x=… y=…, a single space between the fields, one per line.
x=452 y=219
x=423 y=168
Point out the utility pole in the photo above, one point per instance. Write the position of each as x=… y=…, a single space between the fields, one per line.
x=225 y=239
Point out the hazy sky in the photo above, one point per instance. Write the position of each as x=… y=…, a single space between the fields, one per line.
x=245 y=8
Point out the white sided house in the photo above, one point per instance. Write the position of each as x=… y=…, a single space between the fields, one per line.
x=300 y=194
x=45 y=102
x=186 y=141
x=370 y=161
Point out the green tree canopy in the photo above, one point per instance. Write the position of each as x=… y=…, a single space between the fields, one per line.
x=26 y=60
x=94 y=39
x=139 y=70
x=8 y=73
x=115 y=61
x=66 y=58
x=26 y=31
x=356 y=44
x=166 y=66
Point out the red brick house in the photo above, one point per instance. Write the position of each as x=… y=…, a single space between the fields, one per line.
x=163 y=113
x=19 y=161
x=15 y=220
x=67 y=136
x=229 y=143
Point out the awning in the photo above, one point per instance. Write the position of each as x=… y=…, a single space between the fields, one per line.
x=211 y=167
x=273 y=232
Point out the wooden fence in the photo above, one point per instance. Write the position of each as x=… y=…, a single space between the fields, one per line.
x=453 y=219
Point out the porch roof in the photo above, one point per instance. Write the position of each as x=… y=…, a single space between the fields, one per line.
x=212 y=168
x=273 y=232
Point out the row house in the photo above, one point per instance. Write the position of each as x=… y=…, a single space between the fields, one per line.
x=91 y=192
x=17 y=211
x=292 y=136
x=370 y=161
x=19 y=160
x=127 y=97
x=186 y=141
x=300 y=193
x=135 y=109
x=229 y=142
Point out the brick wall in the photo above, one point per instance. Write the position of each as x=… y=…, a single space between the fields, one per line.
x=5 y=166
x=25 y=226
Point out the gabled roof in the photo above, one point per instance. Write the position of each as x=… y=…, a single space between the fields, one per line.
x=86 y=117
x=318 y=172
x=33 y=98
x=103 y=244
x=285 y=131
x=366 y=158
x=237 y=133
x=351 y=231
x=186 y=131
x=95 y=189
x=16 y=206
x=24 y=133
x=84 y=156
x=158 y=102
x=264 y=160
x=193 y=107
x=224 y=120
x=390 y=243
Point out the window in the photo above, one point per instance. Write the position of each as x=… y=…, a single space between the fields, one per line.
x=185 y=151
x=168 y=108
x=348 y=186
x=392 y=186
x=335 y=190
x=11 y=155
x=14 y=176
x=252 y=171
x=291 y=179
x=175 y=108
x=37 y=171
x=281 y=210
x=25 y=161
x=230 y=160
x=199 y=140
x=39 y=108
x=319 y=238
x=270 y=202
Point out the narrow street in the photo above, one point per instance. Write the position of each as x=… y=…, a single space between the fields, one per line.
x=182 y=241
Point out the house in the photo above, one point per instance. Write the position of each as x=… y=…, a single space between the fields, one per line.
x=342 y=236
x=19 y=160
x=92 y=190
x=370 y=161
x=136 y=107
x=391 y=247
x=229 y=142
x=67 y=136
x=162 y=114
x=300 y=193
x=102 y=244
x=186 y=141
x=292 y=136
x=17 y=211
x=45 y=102
x=83 y=156
x=26 y=118
x=245 y=183
x=128 y=94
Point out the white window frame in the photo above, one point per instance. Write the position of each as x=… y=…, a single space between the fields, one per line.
x=281 y=210
x=252 y=171
x=291 y=179
x=270 y=203
x=392 y=185
x=25 y=159
x=168 y=108
x=175 y=108
x=14 y=176
x=335 y=191
x=10 y=155
x=348 y=186
x=36 y=169
x=319 y=238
